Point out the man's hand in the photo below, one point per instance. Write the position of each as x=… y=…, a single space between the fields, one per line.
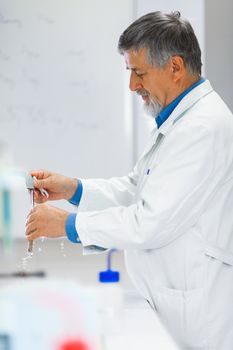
x=57 y=186
x=45 y=220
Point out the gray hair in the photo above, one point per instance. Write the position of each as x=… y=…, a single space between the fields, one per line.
x=163 y=35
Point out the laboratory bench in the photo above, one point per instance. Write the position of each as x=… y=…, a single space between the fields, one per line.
x=139 y=327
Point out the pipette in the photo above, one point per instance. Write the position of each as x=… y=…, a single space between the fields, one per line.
x=30 y=186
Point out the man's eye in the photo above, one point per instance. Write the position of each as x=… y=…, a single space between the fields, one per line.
x=140 y=75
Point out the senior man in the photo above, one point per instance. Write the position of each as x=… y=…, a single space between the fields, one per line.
x=173 y=213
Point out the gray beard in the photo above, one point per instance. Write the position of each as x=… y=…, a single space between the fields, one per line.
x=153 y=108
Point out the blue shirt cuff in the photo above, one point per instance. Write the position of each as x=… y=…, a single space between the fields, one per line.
x=71 y=231
x=78 y=194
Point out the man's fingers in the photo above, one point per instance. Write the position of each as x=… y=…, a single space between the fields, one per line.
x=32 y=213
x=39 y=174
x=31 y=221
x=33 y=231
x=41 y=179
x=33 y=235
x=38 y=197
x=35 y=222
x=40 y=184
x=30 y=228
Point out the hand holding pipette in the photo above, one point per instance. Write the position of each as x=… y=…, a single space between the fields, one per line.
x=31 y=189
x=57 y=186
x=45 y=220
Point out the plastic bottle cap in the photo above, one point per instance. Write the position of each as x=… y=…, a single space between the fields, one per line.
x=109 y=276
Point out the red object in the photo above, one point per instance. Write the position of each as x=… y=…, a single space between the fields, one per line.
x=74 y=345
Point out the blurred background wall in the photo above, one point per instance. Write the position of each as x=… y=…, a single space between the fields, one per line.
x=219 y=47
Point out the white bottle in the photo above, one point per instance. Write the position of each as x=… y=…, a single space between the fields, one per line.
x=111 y=301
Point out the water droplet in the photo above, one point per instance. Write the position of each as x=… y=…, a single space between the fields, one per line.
x=62 y=246
x=40 y=244
x=24 y=262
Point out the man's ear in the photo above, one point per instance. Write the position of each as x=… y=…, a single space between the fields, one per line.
x=177 y=67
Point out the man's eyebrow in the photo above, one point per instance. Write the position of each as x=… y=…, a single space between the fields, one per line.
x=133 y=69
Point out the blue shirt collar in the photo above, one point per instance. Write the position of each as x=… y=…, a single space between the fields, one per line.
x=166 y=112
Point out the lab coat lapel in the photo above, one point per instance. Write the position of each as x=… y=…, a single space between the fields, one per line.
x=151 y=142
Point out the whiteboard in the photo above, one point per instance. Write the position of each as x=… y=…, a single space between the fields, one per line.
x=62 y=85
x=65 y=104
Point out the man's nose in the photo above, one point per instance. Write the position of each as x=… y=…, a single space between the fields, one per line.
x=134 y=82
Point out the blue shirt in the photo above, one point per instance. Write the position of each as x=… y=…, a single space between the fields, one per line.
x=71 y=231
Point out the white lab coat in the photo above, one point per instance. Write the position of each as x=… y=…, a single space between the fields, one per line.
x=176 y=224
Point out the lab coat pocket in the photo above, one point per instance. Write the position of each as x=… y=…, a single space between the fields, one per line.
x=183 y=314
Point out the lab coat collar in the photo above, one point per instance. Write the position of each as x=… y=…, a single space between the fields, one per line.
x=187 y=102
